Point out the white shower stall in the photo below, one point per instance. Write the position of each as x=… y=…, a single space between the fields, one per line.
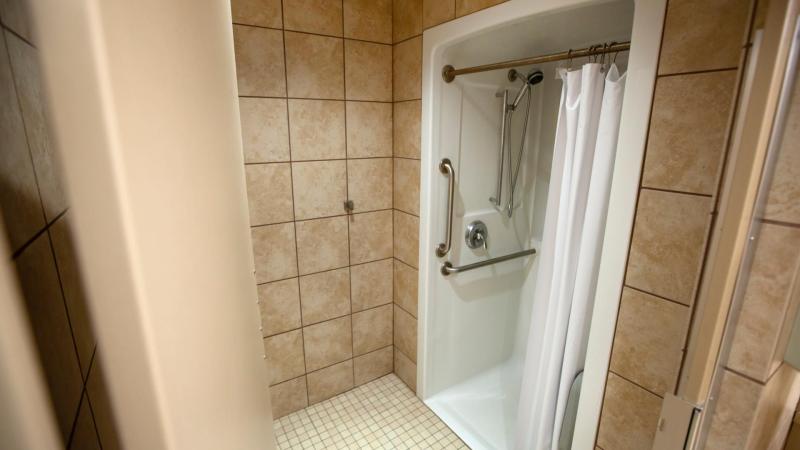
x=477 y=369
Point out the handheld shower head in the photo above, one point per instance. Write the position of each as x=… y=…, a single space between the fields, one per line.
x=534 y=77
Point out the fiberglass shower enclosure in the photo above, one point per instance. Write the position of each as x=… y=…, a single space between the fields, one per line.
x=474 y=325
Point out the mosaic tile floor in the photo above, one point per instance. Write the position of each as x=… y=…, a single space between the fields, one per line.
x=382 y=414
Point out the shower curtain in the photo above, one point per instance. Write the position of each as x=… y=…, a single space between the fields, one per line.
x=583 y=158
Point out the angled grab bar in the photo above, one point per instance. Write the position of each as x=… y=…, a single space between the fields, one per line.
x=448 y=268
x=446 y=167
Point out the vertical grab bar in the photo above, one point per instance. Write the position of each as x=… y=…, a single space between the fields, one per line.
x=446 y=168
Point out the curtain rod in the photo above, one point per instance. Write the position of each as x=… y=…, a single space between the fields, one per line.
x=449 y=73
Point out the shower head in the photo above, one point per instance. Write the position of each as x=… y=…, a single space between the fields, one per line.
x=534 y=77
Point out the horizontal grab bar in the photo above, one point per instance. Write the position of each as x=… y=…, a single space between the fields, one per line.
x=448 y=268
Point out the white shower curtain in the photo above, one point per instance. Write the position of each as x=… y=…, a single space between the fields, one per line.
x=583 y=157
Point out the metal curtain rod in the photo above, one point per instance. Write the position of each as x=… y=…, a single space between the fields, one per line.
x=449 y=73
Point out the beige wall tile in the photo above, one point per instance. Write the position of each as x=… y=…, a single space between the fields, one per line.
x=406 y=287
x=259 y=61
x=279 y=303
x=284 y=356
x=84 y=436
x=667 y=244
x=373 y=365
x=72 y=286
x=767 y=296
x=702 y=35
x=372 y=329
x=435 y=12
x=407 y=120
x=370 y=236
x=315 y=66
x=320 y=188
x=19 y=195
x=405 y=333
x=288 y=397
x=368 y=71
x=313 y=16
x=322 y=244
x=649 y=340
x=274 y=252
x=370 y=183
x=317 y=129
x=16 y=16
x=328 y=343
x=371 y=284
x=687 y=131
x=368 y=20
x=406 y=238
x=325 y=295
x=265 y=129
x=38 y=279
x=464 y=7
x=101 y=406
x=269 y=193
x=407 y=70
x=784 y=188
x=629 y=417
x=406 y=370
x=733 y=415
x=31 y=98
x=406 y=19
x=330 y=381
x=264 y=13
x=369 y=129
x=406 y=185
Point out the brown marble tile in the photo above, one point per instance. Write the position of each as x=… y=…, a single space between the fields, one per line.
x=265 y=129
x=315 y=66
x=325 y=295
x=264 y=13
x=371 y=284
x=330 y=381
x=368 y=20
x=407 y=70
x=274 y=252
x=406 y=185
x=369 y=129
x=733 y=415
x=407 y=120
x=97 y=392
x=368 y=71
x=328 y=343
x=288 y=397
x=784 y=189
x=464 y=7
x=322 y=244
x=373 y=365
x=16 y=16
x=406 y=238
x=435 y=12
x=317 y=129
x=284 y=356
x=279 y=303
x=629 y=417
x=370 y=183
x=702 y=35
x=406 y=19
x=406 y=370
x=269 y=193
x=406 y=287
x=667 y=244
x=372 y=329
x=649 y=340
x=313 y=16
x=320 y=188
x=370 y=236
x=768 y=294
x=405 y=333
x=259 y=61
x=681 y=154
x=84 y=435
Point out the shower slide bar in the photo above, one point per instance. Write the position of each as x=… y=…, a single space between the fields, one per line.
x=448 y=268
x=449 y=73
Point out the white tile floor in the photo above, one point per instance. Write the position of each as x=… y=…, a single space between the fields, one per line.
x=382 y=414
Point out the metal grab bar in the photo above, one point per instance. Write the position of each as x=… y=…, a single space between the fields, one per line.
x=446 y=167
x=448 y=268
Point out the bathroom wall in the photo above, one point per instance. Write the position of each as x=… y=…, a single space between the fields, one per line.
x=315 y=97
x=36 y=213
